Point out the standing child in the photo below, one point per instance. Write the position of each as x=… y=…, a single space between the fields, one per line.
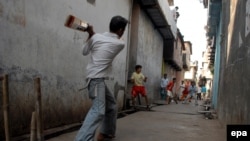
x=181 y=89
x=138 y=79
x=203 y=91
x=164 y=83
x=199 y=93
x=171 y=91
x=185 y=91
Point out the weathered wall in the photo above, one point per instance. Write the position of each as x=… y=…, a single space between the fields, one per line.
x=149 y=55
x=34 y=42
x=146 y=50
x=233 y=100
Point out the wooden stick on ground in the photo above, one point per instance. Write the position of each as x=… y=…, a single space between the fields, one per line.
x=33 y=127
x=38 y=109
x=6 y=107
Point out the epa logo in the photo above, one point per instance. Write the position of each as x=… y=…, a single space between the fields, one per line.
x=239 y=134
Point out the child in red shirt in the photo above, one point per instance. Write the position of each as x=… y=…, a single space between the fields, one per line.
x=171 y=91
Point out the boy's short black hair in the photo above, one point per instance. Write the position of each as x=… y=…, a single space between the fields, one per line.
x=138 y=67
x=117 y=22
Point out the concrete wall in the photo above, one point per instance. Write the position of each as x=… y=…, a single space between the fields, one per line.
x=149 y=55
x=146 y=50
x=34 y=42
x=233 y=100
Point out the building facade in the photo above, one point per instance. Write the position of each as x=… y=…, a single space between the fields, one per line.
x=191 y=75
x=190 y=67
x=35 y=43
x=228 y=29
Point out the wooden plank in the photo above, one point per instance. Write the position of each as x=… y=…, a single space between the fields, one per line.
x=37 y=83
x=33 y=127
x=53 y=132
x=6 y=107
x=206 y=105
x=144 y=106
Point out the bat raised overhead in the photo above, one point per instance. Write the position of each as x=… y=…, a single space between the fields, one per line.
x=75 y=23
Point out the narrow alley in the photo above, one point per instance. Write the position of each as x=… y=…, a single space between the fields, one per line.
x=66 y=64
x=174 y=122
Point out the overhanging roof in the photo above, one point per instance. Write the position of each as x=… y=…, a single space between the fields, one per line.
x=156 y=14
x=213 y=17
x=174 y=65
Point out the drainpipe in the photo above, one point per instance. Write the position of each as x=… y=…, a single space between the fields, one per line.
x=127 y=58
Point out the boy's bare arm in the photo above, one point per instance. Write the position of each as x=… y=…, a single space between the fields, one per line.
x=145 y=79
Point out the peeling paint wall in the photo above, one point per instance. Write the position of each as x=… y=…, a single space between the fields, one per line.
x=34 y=42
x=233 y=98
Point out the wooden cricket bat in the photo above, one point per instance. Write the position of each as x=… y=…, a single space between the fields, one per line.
x=75 y=23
